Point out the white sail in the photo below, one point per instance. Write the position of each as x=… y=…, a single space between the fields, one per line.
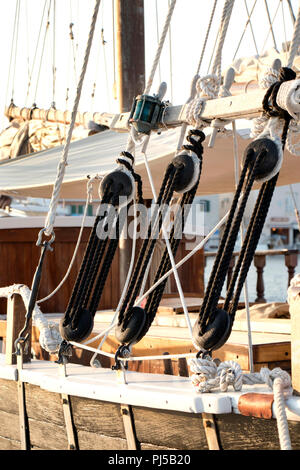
x=34 y=175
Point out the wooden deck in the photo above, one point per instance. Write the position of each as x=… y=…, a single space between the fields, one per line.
x=271 y=340
x=100 y=414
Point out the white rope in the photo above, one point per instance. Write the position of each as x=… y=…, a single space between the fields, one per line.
x=212 y=14
x=287 y=98
x=226 y=15
x=209 y=85
x=49 y=223
x=140 y=299
x=160 y=46
x=132 y=358
x=88 y=200
x=207 y=376
x=173 y=264
x=195 y=79
x=295 y=41
x=49 y=338
x=198 y=247
x=134 y=138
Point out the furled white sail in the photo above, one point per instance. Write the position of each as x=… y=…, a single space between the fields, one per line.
x=34 y=175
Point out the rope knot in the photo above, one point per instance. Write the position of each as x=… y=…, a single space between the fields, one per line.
x=269 y=377
x=204 y=376
x=230 y=373
x=270 y=77
x=207 y=86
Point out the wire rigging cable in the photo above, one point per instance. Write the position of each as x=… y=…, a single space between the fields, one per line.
x=13 y=52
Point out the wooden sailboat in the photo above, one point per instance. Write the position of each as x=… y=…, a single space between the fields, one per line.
x=45 y=405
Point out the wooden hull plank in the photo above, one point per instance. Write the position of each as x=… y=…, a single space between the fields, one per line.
x=99 y=426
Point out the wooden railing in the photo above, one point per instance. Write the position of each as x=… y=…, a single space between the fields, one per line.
x=291 y=261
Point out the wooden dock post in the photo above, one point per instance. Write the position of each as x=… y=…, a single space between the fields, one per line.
x=16 y=312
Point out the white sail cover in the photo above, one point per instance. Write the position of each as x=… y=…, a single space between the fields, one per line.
x=35 y=174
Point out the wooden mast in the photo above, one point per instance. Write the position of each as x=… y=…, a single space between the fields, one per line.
x=130 y=51
x=130 y=66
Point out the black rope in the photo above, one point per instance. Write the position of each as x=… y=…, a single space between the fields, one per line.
x=209 y=312
x=171 y=179
x=99 y=253
x=226 y=247
x=140 y=268
x=186 y=200
x=81 y=280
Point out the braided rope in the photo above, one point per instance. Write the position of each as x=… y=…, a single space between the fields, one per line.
x=49 y=338
x=285 y=99
x=207 y=34
x=160 y=46
x=209 y=85
x=226 y=15
x=50 y=220
x=207 y=376
x=295 y=41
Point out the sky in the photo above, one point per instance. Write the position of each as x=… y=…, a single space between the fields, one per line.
x=21 y=52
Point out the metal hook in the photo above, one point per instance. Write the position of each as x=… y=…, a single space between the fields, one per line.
x=122 y=351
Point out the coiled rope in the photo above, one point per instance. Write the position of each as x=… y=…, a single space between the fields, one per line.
x=207 y=376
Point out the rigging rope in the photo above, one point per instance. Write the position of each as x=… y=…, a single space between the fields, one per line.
x=54 y=55
x=104 y=237
x=124 y=336
x=49 y=223
x=262 y=161
x=88 y=200
x=13 y=51
x=207 y=376
x=182 y=175
x=35 y=53
x=159 y=47
x=42 y=55
x=216 y=67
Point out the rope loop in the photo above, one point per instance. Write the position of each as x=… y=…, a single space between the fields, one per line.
x=207 y=86
x=270 y=105
x=40 y=242
x=136 y=176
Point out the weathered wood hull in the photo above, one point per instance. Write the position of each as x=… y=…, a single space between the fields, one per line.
x=99 y=425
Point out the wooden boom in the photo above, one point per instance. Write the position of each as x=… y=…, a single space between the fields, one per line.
x=243 y=106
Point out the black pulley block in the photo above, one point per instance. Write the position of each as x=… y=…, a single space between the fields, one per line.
x=216 y=332
x=121 y=185
x=268 y=153
x=189 y=171
x=133 y=328
x=80 y=331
